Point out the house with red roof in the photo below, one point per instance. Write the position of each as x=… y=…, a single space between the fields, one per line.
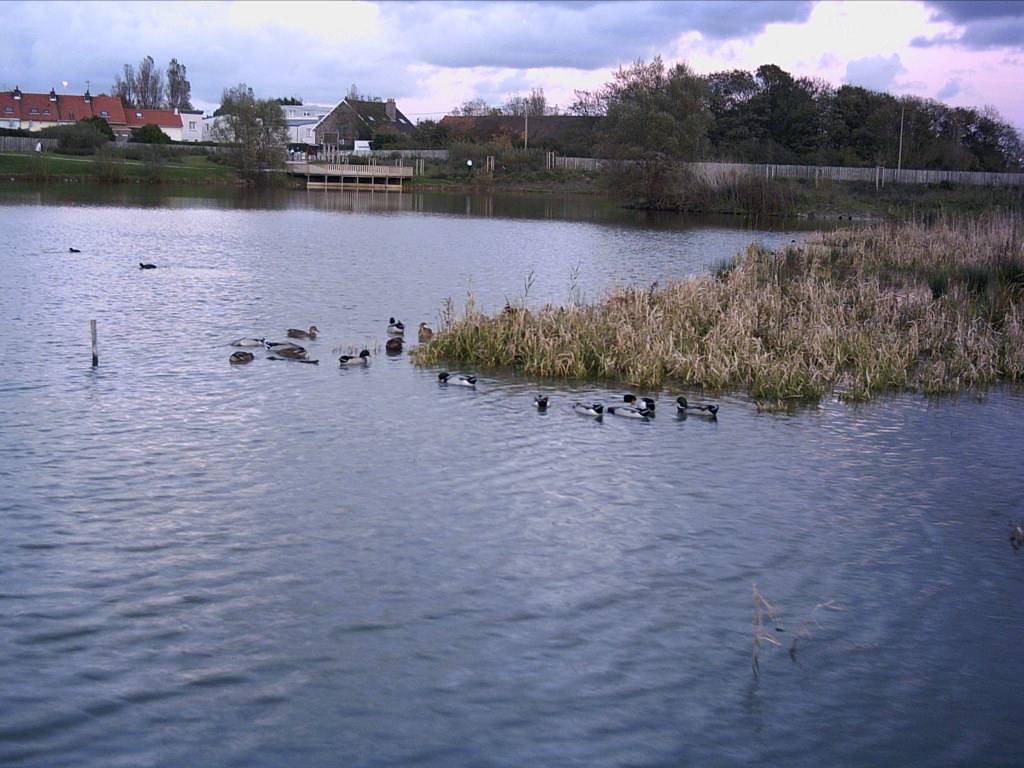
x=35 y=111
x=38 y=110
x=167 y=120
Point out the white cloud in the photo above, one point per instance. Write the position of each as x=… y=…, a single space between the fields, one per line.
x=432 y=56
x=877 y=73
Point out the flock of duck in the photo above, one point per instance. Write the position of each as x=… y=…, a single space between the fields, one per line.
x=632 y=407
x=289 y=350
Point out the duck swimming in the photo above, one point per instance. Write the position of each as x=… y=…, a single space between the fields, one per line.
x=425 y=333
x=363 y=358
x=684 y=408
x=462 y=381
x=394 y=346
x=298 y=333
x=595 y=409
x=249 y=343
x=143 y=265
x=541 y=401
x=73 y=250
x=641 y=403
x=395 y=327
x=628 y=412
x=286 y=349
x=241 y=357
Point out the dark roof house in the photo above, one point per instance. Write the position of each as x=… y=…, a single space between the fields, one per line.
x=353 y=119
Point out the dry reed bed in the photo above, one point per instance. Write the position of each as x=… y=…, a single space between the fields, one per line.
x=932 y=308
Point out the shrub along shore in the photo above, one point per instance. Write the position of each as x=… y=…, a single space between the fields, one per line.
x=911 y=306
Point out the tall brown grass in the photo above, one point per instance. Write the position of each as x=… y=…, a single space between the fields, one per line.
x=933 y=308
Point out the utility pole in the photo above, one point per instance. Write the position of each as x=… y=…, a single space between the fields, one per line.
x=526 y=134
x=899 y=157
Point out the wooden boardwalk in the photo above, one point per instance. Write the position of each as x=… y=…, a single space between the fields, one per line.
x=387 y=178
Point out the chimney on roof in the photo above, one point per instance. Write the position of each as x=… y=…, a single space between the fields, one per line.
x=53 y=95
x=389 y=108
x=88 y=96
x=16 y=93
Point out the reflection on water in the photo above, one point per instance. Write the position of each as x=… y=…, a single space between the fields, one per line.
x=291 y=564
x=576 y=207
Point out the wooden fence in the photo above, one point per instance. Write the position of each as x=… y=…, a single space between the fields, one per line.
x=25 y=143
x=717 y=173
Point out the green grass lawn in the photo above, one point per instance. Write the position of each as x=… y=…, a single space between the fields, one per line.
x=188 y=169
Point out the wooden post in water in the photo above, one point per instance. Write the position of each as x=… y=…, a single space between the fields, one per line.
x=95 y=350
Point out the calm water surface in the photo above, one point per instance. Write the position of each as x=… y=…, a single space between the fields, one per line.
x=285 y=564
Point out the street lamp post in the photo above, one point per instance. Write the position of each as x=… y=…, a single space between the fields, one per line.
x=899 y=156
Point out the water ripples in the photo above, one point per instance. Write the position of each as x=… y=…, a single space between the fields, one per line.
x=287 y=563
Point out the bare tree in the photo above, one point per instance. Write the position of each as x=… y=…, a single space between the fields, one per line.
x=536 y=102
x=149 y=84
x=179 y=89
x=475 y=108
x=534 y=105
x=142 y=87
x=124 y=88
x=516 y=106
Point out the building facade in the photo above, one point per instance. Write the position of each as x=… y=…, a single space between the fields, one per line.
x=36 y=111
x=352 y=120
x=301 y=119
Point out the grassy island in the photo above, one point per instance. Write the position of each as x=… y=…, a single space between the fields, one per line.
x=934 y=308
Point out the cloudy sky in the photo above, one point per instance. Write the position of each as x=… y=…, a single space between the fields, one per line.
x=432 y=56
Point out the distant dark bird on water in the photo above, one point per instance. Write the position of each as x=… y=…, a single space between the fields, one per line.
x=143 y=265
x=73 y=250
x=241 y=357
x=1017 y=536
x=363 y=358
x=298 y=333
x=394 y=345
x=684 y=408
x=541 y=401
x=641 y=403
x=462 y=381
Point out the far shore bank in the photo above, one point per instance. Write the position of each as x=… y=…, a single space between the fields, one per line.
x=781 y=199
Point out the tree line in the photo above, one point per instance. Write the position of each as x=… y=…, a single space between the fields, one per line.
x=533 y=104
x=651 y=111
x=144 y=86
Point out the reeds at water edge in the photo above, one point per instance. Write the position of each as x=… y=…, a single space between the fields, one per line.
x=934 y=308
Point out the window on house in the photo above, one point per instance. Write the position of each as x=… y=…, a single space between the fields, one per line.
x=46 y=111
x=191 y=125
x=138 y=114
x=104 y=114
x=34 y=111
x=8 y=109
x=305 y=114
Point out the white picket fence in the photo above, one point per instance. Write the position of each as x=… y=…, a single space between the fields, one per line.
x=717 y=173
x=333 y=154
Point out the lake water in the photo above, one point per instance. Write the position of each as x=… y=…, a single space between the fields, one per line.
x=285 y=564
